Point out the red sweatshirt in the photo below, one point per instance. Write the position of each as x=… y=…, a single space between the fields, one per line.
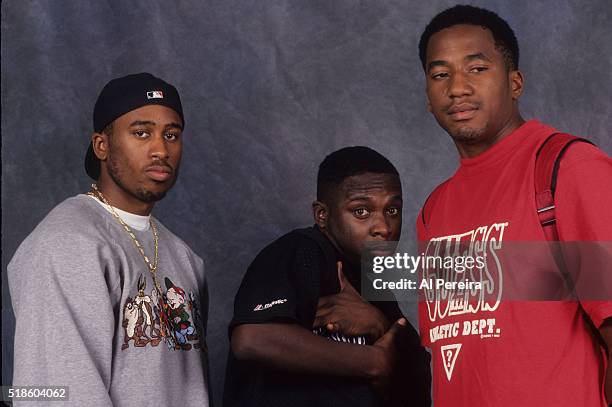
x=507 y=349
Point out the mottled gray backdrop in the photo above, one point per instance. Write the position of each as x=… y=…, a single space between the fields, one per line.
x=269 y=88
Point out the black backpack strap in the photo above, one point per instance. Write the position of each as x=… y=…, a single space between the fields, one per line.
x=548 y=159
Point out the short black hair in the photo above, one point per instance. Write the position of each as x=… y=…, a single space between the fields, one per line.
x=505 y=40
x=346 y=162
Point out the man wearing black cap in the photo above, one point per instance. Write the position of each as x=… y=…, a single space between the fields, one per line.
x=108 y=302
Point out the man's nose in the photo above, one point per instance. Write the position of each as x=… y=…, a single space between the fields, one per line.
x=459 y=85
x=158 y=147
x=380 y=226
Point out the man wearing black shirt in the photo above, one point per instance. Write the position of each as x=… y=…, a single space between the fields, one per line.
x=300 y=290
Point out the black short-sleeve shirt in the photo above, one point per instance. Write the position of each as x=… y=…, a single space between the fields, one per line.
x=284 y=284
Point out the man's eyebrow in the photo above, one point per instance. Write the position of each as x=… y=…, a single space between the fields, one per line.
x=142 y=123
x=358 y=197
x=433 y=64
x=471 y=57
x=478 y=55
x=369 y=198
x=174 y=125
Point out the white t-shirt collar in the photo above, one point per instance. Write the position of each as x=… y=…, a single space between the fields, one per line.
x=138 y=222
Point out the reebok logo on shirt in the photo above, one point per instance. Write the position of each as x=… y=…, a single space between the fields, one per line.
x=261 y=307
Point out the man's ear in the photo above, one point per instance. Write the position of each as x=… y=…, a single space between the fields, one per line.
x=516 y=83
x=320 y=213
x=429 y=106
x=99 y=142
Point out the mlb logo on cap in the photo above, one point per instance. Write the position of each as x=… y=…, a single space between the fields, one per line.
x=155 y=94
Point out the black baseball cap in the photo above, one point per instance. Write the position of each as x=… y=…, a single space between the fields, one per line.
x=122 y=95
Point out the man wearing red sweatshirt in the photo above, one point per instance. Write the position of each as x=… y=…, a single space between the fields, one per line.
x=494 y=350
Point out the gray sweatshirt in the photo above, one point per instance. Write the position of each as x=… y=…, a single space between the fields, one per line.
x=88 y=315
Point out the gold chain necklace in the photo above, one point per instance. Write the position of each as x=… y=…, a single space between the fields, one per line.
x=95 y=192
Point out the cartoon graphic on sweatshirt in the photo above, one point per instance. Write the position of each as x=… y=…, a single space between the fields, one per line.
x=147 y=320
x=178 y=316
x=132 y=326
x=160 y=309
x=143 y=302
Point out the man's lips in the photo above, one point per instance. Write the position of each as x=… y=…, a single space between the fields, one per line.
x=159 y=172
x=462 y=111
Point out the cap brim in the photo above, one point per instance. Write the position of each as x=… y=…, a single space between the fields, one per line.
x=92 y=164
